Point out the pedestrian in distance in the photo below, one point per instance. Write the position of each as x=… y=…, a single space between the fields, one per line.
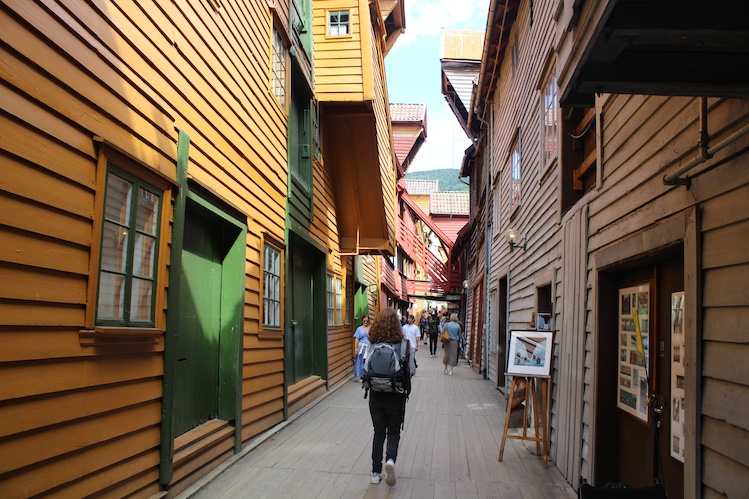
x=362 y=342
x=411 y=333
x=388 y=391
x=434 y=332
x=451 y=347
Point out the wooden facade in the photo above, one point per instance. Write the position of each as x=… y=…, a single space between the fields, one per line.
x=644 y=186
x=163 y=135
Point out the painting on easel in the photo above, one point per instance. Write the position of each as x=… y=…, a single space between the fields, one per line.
x=530 y=353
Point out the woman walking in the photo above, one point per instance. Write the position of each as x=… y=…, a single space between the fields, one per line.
x=451 y=347
x=388 y=409
x=362 y=342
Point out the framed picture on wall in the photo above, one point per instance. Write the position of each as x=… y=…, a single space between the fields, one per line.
x=530 y=353
x=633 y=352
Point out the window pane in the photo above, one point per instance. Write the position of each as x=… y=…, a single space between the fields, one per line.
x=140 y=300
x=143 y=258
x=113 y=247
x=148 y=211
x=117 y=203
x=111 y=304
x=272 y=287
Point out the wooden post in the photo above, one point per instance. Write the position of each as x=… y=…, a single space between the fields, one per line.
x=540 y=436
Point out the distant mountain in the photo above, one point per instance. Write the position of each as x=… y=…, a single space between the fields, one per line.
x=448 y=178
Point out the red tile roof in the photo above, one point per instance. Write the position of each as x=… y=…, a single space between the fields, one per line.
x=449 y=203
x=407 y=112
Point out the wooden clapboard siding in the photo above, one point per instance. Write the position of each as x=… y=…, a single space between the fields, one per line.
x=339 y=73
x=516 y=111
x=128 y=72
x=641 y=136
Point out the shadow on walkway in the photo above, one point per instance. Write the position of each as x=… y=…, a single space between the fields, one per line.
x=449 y=448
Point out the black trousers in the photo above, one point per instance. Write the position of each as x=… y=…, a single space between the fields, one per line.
x=387 y=411
x=433 y=344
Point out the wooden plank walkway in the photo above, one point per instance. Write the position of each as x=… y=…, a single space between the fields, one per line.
x=448 y=449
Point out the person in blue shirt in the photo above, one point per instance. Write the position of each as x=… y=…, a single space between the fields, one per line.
x=362 y=342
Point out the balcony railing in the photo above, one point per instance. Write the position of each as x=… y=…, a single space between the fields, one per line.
x=422 y=255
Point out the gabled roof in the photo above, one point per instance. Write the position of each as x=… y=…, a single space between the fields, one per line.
x=449 y=203
x=421 y=187
x=460 y=59
x=409 y=123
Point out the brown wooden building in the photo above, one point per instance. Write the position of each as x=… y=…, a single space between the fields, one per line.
x=167 y=184
x=611 y=136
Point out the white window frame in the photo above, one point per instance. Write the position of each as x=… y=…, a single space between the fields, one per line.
x=333 y=28
x=272 y=280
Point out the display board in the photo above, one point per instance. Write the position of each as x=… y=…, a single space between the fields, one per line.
x=677 y=375
x=634 y=351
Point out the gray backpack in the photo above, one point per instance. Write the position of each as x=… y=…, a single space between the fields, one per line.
x=386 y=368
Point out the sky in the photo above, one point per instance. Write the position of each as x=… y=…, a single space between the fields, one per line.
x=413 y=74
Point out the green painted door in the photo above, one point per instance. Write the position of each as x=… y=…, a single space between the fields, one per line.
x=303 y=267
x=197 y=371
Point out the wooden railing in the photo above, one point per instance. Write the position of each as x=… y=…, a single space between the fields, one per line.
x=422 y=255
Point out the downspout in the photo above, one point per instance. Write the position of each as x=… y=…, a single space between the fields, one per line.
x=487 y=244
x=705 y=152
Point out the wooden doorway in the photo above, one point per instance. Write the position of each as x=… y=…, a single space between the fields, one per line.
x=502 y=334
x=306 y=311
x=210 y=301
x=635 y=448
x=476 y=349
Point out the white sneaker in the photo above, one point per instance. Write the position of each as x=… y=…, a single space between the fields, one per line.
x=450 y=373
x=390 y=472
x=376 y=477
x=445 y=371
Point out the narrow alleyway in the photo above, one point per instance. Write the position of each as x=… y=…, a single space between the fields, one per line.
x=449 y=449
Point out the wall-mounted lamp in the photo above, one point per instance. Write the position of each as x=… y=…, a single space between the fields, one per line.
x=466 y=284
x=372 y=288
x=511 y=237
x=369 y=260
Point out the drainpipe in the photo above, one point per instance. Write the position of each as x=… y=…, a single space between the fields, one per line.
x=705 y=152
x=487 y=245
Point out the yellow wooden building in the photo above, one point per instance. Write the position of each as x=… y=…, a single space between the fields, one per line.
x=172 y=173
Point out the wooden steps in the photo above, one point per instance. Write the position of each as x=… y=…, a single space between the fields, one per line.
x=199 y=451
x=304 y=392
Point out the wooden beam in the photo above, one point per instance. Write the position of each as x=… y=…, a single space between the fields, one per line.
x=580 y=171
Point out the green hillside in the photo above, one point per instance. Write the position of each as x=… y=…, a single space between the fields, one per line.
x=448 y=178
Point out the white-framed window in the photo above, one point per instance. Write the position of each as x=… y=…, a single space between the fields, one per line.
x=271 y=287
x=550 y=120
x=279 y=68
x=339 y=23
x=335 y=300
x=497 y=207
x=515 y=176
x=129 y=251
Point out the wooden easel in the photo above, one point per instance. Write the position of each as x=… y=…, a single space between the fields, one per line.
x=541 y=435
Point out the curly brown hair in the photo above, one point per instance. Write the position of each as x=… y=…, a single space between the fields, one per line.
x=386 y=327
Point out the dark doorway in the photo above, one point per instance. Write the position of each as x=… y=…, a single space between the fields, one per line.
x=306 y=289
x=502 y=334
x=628 y=449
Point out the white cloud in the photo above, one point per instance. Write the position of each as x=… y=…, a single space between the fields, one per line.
x=428 y=17
x=446 y=141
